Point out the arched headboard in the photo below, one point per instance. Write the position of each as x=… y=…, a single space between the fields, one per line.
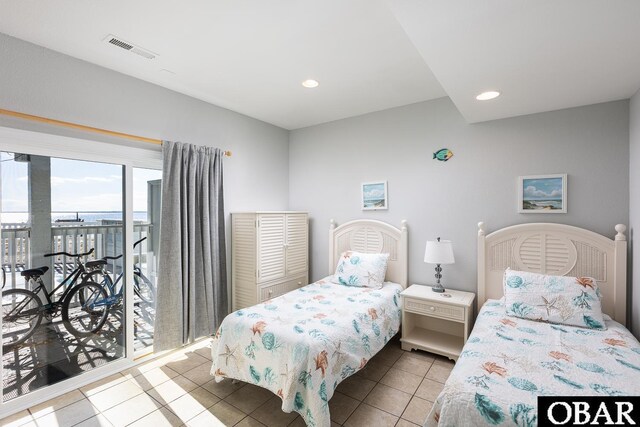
x=555 y=249
x=370 y=236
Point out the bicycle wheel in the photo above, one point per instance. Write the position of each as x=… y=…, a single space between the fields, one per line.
x=98 y=277
x=21 y=315
x=144 y=289
x=85 y=309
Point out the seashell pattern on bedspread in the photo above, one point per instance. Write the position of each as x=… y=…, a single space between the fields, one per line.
x=301 y=345
x=505 y=365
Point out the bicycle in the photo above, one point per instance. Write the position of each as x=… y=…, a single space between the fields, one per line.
x=142 y=287
x=23 y=310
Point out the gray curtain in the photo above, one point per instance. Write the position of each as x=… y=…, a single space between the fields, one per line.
x=192 y=276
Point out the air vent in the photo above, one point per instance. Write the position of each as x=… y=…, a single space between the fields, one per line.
x=117 y=41
x=120 y=43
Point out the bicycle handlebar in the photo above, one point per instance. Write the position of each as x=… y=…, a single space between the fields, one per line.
x=70 y=255
x=120 y=256
x=138 y=242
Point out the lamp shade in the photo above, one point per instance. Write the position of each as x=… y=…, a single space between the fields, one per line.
x=439 y=252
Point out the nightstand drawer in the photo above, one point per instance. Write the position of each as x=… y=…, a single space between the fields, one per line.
x=269 y=292
x=433 y=309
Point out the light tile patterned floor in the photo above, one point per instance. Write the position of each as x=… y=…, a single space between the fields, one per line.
x=396 y=388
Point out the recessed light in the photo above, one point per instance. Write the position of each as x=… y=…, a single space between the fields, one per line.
x=485 y=96
x=310 y=83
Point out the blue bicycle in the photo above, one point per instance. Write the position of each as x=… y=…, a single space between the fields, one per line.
x=90 y=299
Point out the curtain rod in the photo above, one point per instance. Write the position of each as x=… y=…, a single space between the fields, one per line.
x=86 y=128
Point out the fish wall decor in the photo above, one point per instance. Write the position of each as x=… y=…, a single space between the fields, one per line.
x=443 y=154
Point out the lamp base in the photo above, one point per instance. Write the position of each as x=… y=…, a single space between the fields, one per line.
x=438 y=288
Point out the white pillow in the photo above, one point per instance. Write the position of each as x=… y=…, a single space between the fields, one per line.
x=573 y=301
x=360 y=269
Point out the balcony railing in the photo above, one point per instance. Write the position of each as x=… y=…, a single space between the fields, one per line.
x=106 y=239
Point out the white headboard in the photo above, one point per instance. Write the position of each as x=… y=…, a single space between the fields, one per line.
x=556 y=249
x=370 y=236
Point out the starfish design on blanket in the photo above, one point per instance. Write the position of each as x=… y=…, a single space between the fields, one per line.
x=287 y=375
x=338 y=351
x=568 y=348
x=370 y=277
x=340 y=357
x=506 y=359
x=549 y=304
x=229 y=353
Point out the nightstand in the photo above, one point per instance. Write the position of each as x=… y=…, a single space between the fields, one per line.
x=436 y=322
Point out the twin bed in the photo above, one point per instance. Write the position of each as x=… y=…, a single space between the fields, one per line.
x=508 y=361
x=301 y=345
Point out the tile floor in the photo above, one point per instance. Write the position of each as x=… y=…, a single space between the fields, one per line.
x=396 y=388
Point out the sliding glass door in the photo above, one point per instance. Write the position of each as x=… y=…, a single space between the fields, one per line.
x=78 y=293
x=63 y=269
x=147 y=189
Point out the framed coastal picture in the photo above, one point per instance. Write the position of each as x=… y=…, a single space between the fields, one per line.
x=542 y=194
x=374 y=196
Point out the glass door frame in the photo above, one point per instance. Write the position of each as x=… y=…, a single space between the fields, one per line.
x=118 y=152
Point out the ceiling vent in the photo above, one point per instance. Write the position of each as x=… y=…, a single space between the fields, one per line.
x=116 y=41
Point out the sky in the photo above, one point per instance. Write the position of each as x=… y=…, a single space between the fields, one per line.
x=373 y=191
x=75 y=185
x=538 y=189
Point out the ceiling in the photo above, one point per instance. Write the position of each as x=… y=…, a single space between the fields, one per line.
x=251 y=56
x=542 y=55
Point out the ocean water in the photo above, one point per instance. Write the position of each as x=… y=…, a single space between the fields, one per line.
x=88 y=217
x=554 y=204
x=370 y=203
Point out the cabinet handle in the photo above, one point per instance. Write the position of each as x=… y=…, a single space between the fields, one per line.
x=432 y=308
x=270 y=291
x=299 y=283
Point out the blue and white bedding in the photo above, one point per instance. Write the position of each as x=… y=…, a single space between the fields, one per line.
x=507 y=362
x=301 y=345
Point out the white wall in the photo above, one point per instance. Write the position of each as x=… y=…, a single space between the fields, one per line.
x=634 y=209
x=328 y=162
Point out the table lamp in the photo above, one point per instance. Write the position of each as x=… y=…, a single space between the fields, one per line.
x=438 y=252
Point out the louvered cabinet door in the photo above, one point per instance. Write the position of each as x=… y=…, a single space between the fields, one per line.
x=243 y=252
x=271 y=246
x=297 y=239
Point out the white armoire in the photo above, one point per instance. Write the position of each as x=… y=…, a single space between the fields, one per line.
x=269 y=255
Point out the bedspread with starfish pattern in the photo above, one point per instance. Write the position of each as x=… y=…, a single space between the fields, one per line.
x=301 y=345
x=507 y=362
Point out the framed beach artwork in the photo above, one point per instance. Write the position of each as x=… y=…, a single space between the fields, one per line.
x=542 y=194
x=374 y=196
